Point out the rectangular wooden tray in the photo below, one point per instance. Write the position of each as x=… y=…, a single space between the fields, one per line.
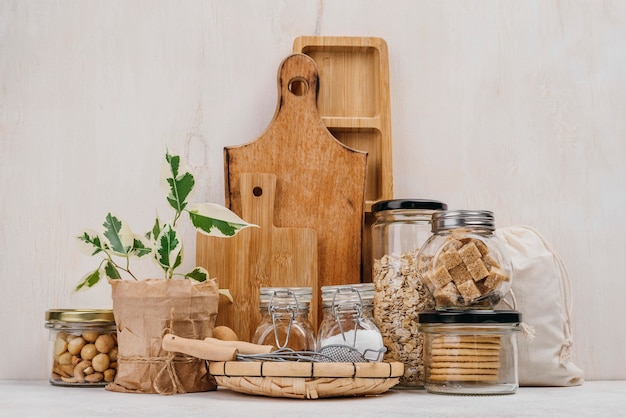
x=354 y=104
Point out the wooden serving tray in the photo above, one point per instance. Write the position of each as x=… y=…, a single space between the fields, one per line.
x=306 y=380
x=354 y=104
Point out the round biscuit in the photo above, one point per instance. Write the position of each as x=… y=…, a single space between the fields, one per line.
x=462 y=378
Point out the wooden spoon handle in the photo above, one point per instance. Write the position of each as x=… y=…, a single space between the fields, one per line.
x=243 y=347
x=198 y=348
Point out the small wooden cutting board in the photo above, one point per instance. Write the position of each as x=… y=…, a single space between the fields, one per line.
x=320 y=182
x=268 y=256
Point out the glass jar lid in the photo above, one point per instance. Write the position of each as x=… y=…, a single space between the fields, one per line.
x=485 y=317
x=452 y=219
x=302 y=294
x=80 y=315
x=408 y=204
x=362 y=294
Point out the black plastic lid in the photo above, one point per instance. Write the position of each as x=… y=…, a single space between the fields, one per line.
x=395 y=204
x=470 y=317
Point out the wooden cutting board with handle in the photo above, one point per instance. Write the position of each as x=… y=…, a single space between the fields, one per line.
x=354 y=103
x=268 y=256
x=320 y=182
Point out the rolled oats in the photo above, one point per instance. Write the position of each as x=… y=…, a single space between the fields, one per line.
x=399 y=297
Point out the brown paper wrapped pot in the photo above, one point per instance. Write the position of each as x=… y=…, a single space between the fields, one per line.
x=146 y=310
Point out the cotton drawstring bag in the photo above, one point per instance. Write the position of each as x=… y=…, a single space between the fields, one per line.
x=541 y=292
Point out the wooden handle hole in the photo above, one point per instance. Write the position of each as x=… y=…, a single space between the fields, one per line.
x=257 y=191
x=298 y=86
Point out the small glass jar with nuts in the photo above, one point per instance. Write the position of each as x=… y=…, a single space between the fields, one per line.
x=83 y=345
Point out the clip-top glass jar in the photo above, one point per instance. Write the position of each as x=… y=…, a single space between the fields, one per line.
x=470 y=352
x=348 y=320
x=84 y=347
x=464 y=264
x=400 y=229
x=285 y=318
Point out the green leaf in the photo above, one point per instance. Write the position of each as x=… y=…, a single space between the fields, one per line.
x=176 y=185
x=89 y=242
x=168 y=249
x=120 y=238
x=111 y=271
x=216 y=220
x=140 y=247
x=156 y=229
x=198 y=274
x=89 y=280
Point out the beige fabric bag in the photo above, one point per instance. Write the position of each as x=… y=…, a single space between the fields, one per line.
x=541 y=292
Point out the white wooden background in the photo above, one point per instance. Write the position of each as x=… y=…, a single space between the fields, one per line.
x=517 y=107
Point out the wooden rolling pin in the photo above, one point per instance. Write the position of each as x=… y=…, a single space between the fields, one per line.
x=242 y=347
x=212 y=349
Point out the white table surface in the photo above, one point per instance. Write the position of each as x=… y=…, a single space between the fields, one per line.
x=23 y=398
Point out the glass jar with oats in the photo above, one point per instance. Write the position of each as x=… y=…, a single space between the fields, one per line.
x=400 y=228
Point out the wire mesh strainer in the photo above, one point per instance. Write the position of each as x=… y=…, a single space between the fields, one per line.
x=337 y=353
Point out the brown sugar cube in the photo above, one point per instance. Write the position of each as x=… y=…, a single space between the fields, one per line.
x=469 y=253
x=490 y=262
x=494 y=278
x=450 y=258
x=477 y=269
x=460 y=274
x=482 y=287
x=469 y=291
x=426 y=280
x=447 y=295
x=482 y=247
x=452 y=244
x=440 y=277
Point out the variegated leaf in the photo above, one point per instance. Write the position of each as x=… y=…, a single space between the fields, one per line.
x=141 y=246
x=198 y=274
x=89 y=242
x=118 y=235
x=89 y=280
x=176 y=181
x=216 y=220
x=167 y=251
x=111 y=272
x=155 y=231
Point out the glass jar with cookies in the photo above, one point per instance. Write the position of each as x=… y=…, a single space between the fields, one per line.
x=470 y=352
x=464 y=264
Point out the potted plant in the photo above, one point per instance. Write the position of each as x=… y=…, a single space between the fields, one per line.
x=184 y=303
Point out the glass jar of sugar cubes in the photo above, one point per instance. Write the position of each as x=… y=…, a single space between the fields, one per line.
x=464 y=264
x=401 y=227
x=348 y=321
x=470 y=352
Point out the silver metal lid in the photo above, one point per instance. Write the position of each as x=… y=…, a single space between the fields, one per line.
x=285 y=295
x=362 y=293
x=452 y=219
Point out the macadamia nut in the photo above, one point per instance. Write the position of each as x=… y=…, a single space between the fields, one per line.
x=88 y=352
x=75 y=345
x=100 y=362
x=104 y=343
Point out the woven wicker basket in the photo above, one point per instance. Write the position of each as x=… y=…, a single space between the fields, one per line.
x=306 y=380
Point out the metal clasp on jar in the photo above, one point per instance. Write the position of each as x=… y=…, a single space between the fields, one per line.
x=348 y=306
x=274 y=310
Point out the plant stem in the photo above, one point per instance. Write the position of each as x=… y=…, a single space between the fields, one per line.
x=127 y=269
